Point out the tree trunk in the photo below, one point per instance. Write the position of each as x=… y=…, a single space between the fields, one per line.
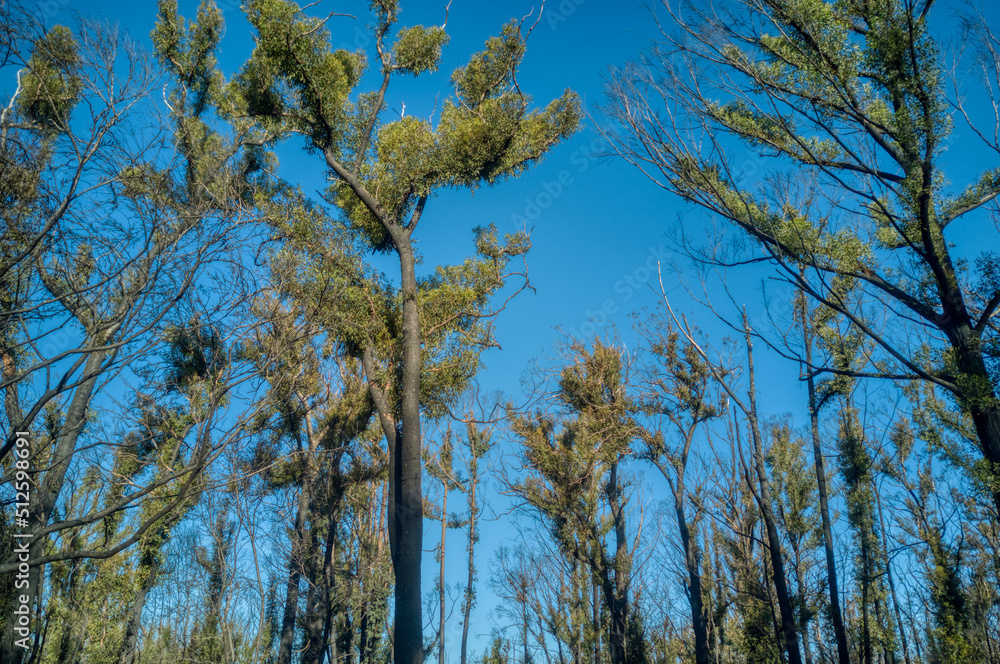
x=442 y=608
x=74 y=623
x=336 y=487
x=470 y=583
x=131 y=638
x=328 y=585
x=43 y=497
x=596 y=594
x=892 y=585
x=296 y=559
x=843 y=655
x=976 y=393
x=699 y=617
x=616 y=590
x=801 y=591
x=312 y=623
x=866 y=639
x=407 y=508
x=787 y=612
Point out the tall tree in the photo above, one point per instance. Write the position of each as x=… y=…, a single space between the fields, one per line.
x=809 y=320
x=760 y=484
x=680 y=392
x=576 y=485
x=384 y=175
x=477 y=444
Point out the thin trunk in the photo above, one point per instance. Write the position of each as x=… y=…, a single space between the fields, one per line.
x=892 y=584
x=718 y=604
x=74 y=625
x=328 y=580
x=296 y=560
x=363 y=635
x=801 y=591
x=866 y=639
x=312 y=623
x=788 y=628
x=44 y=497
x=616 y=589
x=888 y=656
x=470 y=583
x=843 y=655
x=442 y=614
x=699 y=617
x=595 y=592
x=131 y=639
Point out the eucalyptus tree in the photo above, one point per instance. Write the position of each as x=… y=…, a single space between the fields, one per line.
x=725 y=374
x=441 y=467
x=679 y=392
x=477 y=444
x=795 y=507
x=574 y=481
x=870 y=561
x=384 y=173
x=852 y=105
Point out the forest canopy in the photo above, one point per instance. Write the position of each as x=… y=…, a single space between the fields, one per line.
x=286 y=376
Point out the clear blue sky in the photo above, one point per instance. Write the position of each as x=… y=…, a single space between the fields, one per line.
x=598 y=226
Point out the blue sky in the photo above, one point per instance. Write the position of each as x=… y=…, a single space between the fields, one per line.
x=598 y=227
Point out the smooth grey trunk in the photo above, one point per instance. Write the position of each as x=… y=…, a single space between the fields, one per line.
x=406 y=529
x=407 y=508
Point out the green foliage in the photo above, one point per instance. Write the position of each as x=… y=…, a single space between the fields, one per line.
x=195 y=353
x=295 y=81
x=51 y=84
x=293 y=50
x=574 y=482
x=794 y=488
x=188 y=52
x=499 y=652
x=418 y=49
x=593 y=389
